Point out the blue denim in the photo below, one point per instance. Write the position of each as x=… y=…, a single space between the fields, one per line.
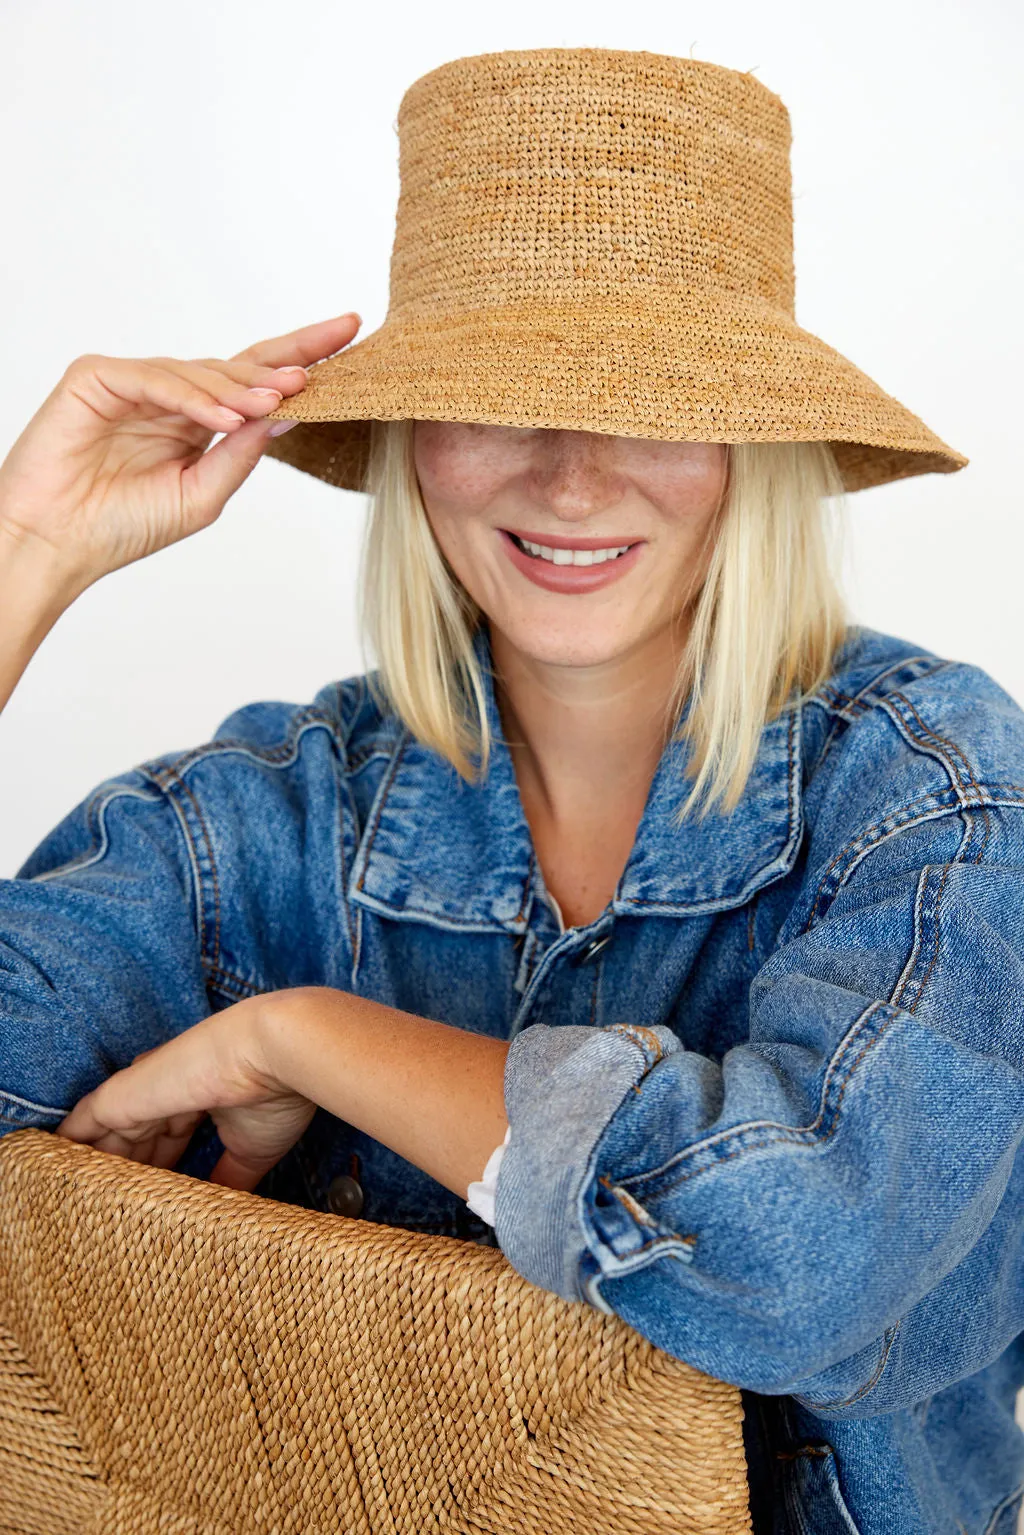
x=766 y=1108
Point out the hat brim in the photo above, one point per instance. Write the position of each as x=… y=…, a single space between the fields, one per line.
x=678 y=367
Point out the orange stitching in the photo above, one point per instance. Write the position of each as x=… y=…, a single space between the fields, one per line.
x=267 y=754
x=935 y=954
x=803 y=1130
x=380 y=808
x=955 y=751
x=889 y=1335
x=209 y=848
x=229 y=975
x=865 y=837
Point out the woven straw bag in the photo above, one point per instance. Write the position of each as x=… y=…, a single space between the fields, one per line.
x=180 y=1358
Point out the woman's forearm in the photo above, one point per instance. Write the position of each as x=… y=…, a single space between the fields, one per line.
x=34 y=592
x=431 y=1092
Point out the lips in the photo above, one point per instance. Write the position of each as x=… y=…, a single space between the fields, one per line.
x=570 y=578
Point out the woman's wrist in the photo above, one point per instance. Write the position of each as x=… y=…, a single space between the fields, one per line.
x=36 y=587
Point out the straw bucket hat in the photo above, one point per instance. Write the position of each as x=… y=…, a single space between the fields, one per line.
x=602 y=240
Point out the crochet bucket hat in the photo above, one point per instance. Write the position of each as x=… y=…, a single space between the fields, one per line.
x=602 y=240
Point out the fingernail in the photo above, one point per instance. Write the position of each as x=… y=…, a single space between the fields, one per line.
x=278 y=427
x=351 y=315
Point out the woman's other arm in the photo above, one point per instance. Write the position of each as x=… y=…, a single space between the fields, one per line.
x=846 y=1181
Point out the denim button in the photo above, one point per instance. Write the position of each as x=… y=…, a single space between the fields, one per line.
x=594 y=948
x=344 y=1195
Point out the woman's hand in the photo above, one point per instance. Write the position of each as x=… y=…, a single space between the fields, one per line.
x=114 y=464
x=148 y=1111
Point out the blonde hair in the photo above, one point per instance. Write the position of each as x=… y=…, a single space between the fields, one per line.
x=765 y=624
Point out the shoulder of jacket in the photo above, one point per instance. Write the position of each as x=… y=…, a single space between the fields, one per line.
x=350 y=712
x=887 y=698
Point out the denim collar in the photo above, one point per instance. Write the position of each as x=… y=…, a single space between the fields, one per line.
x=439 y=850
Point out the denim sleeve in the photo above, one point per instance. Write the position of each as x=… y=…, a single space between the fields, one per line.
x=834 y=1208
x=99 y=955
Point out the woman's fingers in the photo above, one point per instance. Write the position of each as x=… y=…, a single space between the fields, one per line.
x=106 y=470
x=114 y=388
x=241 y=387
x=309 y=344
x=168 y=1147
x=235 y=1172
x=137 y=1102
x=208 y=483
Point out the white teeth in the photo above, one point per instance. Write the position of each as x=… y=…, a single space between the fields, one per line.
x=573 y=556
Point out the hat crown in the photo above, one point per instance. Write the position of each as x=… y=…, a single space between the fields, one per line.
x=549 y=174
x=596 y=240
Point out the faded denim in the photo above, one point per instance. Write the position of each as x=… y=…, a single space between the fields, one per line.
x=773 y=1122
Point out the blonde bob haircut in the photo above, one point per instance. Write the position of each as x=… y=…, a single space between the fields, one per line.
x=765 y=623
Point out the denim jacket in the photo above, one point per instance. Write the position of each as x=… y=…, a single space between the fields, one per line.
x=766 y=1108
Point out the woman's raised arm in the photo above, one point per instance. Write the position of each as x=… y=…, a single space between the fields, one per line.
x=116 y=463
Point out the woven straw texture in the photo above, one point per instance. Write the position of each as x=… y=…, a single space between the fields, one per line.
x=599 y=240
x=179 y=1358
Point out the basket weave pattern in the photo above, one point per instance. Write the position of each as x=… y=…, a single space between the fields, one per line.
x=179 y=1358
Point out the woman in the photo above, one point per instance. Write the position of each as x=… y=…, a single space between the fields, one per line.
x=644 y=905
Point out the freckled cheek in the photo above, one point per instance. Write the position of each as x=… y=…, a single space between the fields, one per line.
x=460 y=507
x=462 y=478
x=467 y=542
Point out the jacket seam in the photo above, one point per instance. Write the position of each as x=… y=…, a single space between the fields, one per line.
x=168 y=775
x=302 y=720
x=848 y=707
x=963 y=778
x=228 y=983
x=891 y=824
x=768 y=854
x=345 y=797
x=859 y=702
x=173 y=778
x=378 y=809
x=947 y=751
x=812 y=1134
x=809 y=1134
x=888 y=1338
x=799 y=1134
x=12 y=1099
x=95 y=817
x=1002 y=1506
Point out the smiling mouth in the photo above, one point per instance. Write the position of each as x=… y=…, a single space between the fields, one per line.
x=555 y=556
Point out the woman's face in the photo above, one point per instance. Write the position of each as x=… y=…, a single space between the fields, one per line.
x=570 y=490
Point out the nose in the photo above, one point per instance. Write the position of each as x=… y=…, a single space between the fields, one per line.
x=576 y=475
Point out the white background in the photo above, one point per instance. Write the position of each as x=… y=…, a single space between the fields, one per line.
x=186 y=179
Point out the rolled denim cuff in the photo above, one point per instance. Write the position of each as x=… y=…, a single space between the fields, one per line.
x=563 y=1085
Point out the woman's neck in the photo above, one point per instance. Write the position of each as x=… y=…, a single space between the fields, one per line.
x=584 y=736
x=585 y=743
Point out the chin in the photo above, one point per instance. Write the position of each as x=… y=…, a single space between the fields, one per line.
x=573 y=643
